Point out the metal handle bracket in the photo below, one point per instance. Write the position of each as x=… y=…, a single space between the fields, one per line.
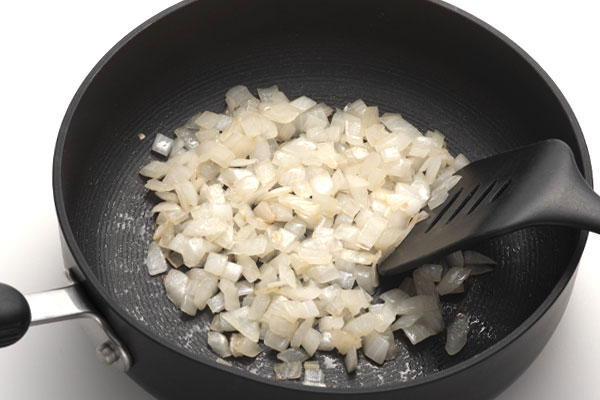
x=70 y=302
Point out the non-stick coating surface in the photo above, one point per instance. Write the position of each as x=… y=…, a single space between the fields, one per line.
x=438 y=69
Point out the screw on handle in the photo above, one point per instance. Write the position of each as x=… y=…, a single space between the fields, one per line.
x=15 y=315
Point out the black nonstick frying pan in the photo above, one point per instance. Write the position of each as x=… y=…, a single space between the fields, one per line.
x=437 y=66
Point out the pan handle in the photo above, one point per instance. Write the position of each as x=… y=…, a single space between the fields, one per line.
x=18 y=312
x=15 y=315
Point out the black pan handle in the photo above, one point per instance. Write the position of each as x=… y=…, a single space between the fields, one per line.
x=15 y=315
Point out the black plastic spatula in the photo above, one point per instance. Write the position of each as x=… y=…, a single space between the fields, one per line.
x=538 y=184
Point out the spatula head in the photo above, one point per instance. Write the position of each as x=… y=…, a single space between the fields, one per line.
x=495 y=195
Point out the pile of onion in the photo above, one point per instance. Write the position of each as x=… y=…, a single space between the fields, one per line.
x=275 y=214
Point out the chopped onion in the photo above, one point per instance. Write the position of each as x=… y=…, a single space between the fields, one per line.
x=203 y=290
x=218 y=324
x=328 y=323
x=230 y=293
x=344 y=341
x=239 y=320
x=452 y=279
x=430 y=323
x=156 y=260
x=394 y=296
x=288 y=370
x=425 y=277
x=155 y=169
x=311 y=341
x=293 y=355
x=351 y=360
x=162 y=145
x=326 y=342
x=276 y=342
x=479 y=269
x=216 y=303
x=456 y=334
x=219 y=344
x=416 y=305
x=376 y=347
x=242 y=346
x=288 y=207
x=313 y=376
x=405 y=321
x=473 y=257
x=232 y=272
x=455 y=259
x=298 y=336
x=258 y=307
x=175 y=284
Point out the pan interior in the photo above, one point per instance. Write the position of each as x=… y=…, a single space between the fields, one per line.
x=440 y=70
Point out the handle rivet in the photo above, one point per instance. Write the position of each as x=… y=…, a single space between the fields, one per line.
x=106 y=353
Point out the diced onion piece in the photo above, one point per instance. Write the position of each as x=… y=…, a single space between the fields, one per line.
x=326 y=342
x=479 y=269
x=430 y=323
x=242 y=346
x=301 y=293
x=230 y=292
x=288 y=370
x=417 y=305
x=362 y=325
x=244 y=288
x=425 y=277
x=405 y=321
x=303 y=103
x=249 y=268
x=473 y=257
x=239 y=320
x=394 y=296
x=155 y=260
x=251 y=247
x=216 y=303
x=293 y=355
x=203 y=291
x=313 y=376
x=154 y=169
x=324 y=273
x=219 y=344
x=218 y=324
x=375 y=346
x=232 y=272
x=344 y=341
x=351 y=360
x=162 y=145
x=224 y=362
x=281 y=113
x=298 y=336
x=452 y=279
x=215 y=264
x=311 y=341
x=276 y=342
x=237 y=96
x=188 y=306
x=455 y=259
x=371 y=231
x=456 y=334
x=259 y=306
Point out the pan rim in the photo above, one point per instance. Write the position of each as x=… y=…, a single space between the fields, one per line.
x=113 y=305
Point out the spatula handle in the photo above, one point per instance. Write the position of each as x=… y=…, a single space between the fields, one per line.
x=579 y=207
x=572 y=201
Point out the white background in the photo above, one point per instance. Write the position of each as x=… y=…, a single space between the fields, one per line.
x=48 y=47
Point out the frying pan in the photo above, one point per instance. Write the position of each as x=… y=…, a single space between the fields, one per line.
x=439 y=67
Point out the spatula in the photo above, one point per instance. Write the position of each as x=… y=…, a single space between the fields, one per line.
x=538 y=184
